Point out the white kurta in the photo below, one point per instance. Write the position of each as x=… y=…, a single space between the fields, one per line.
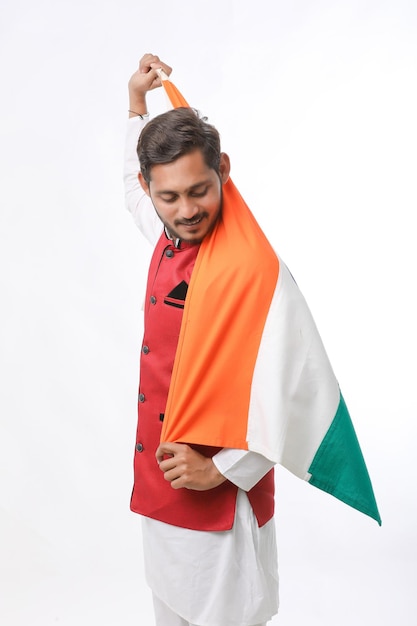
x=225 y=578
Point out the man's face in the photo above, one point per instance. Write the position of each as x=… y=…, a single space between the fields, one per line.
x=187 y=195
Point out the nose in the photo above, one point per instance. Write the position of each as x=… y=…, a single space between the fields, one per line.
x=188 y=208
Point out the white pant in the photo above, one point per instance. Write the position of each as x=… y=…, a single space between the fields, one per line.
x=214 y=578
x=165 y=617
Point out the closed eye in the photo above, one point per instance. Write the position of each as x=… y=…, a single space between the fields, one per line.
x=169 y=199
x=199 y=193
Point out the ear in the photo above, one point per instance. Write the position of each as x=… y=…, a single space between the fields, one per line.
x=143 y=184
x=224 y=167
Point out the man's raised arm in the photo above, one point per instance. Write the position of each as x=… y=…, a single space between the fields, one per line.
x=138 y=203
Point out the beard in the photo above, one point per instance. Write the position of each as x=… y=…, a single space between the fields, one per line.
x=195 y=229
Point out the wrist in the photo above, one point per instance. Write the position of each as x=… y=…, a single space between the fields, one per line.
x=137 y=106
x=216 y=477
x=136 y=114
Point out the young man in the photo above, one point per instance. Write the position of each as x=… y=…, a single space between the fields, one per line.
x=207 y=512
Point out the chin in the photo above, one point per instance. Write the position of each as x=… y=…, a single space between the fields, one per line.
x=193 y=240
x=198 y=236
x=193 y=237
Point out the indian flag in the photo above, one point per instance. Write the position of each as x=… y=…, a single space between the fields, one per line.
x=251 y=371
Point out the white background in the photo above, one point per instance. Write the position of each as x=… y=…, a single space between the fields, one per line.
x=316 y=102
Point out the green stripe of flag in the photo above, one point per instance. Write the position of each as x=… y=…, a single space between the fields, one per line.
x=339 y=467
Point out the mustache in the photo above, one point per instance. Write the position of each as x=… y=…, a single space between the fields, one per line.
x=192 y=220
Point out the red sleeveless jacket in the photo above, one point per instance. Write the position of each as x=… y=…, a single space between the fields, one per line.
x=213 y=510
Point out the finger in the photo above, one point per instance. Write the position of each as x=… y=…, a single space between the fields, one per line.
x=152 y=61
x=174 y=477
x=168 y=464
x=177 y=483
x=146 y=62
x=158 y=64
x=165 y=448
x=154 y=78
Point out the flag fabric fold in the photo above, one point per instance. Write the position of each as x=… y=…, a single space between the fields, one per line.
x=251 y=371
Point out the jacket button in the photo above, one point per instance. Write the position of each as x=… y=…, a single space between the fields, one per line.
x=152 y=299
x=145 y=350
x=139 y=447
x=169 y=253
x=141 y=397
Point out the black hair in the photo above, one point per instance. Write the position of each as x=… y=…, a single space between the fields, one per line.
x=176 y=133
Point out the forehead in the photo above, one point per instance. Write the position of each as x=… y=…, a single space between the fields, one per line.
x=186 y=171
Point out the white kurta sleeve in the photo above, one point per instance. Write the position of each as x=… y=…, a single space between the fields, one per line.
x=241 y=467
x=138 y=202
